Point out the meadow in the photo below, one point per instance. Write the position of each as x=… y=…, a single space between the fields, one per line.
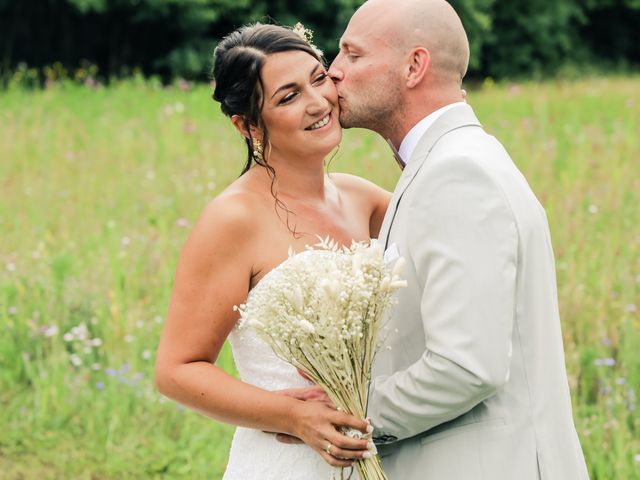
x=100 y=185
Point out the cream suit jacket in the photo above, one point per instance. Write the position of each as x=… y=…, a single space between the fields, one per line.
x=471 y=380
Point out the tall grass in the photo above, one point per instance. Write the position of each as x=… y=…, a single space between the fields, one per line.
x=100 y=187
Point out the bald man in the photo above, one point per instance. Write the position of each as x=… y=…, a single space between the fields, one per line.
x=473 y=384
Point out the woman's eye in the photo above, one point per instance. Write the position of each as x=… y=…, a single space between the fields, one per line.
x=320 y=77
x=287 y=98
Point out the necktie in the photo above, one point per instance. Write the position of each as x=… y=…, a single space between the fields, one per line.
x=401 y=163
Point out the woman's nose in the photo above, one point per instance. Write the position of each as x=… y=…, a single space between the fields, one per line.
x=318 y=103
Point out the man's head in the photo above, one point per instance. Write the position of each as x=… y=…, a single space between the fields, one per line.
x=397 y=57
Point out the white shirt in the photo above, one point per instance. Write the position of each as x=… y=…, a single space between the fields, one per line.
x=410 y=141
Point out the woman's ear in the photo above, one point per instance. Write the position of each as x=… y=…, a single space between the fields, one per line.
x=240 y=124
x=246 y=130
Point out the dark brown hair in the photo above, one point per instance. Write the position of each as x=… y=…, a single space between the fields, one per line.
x=238 y=62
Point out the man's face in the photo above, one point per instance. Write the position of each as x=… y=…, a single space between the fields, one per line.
x=367 y=74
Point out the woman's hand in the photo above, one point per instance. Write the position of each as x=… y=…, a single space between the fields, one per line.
x=316 y=424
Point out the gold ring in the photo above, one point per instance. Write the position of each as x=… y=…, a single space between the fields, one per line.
x=328 y=449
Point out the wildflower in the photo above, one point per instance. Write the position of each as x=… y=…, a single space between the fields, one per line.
x=631 y=308
x=11 y=266
x=100 y=385
x=183 y=223
x=593 y=209
x=128 y=338
x=125 y=241
x=110 y=371
x=95 y=367
x=67 y=337
x=607 y=362
x=12 y=310
x=146 y=355
x=76 y=361
x=96 y=342
x=50 y=331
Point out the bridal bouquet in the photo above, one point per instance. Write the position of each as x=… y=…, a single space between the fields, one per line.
x=322 y=312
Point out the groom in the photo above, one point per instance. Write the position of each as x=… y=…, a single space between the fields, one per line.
x=473 y=385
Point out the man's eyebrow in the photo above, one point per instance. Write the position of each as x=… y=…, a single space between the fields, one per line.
x=293 y=84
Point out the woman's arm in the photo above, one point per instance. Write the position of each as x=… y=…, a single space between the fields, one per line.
x=213 y=274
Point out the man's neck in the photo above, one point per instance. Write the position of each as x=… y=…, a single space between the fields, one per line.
x=415 y=109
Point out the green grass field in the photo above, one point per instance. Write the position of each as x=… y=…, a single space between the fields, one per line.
x=100 y=187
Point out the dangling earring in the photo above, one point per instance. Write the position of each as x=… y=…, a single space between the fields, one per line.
x=257 y=150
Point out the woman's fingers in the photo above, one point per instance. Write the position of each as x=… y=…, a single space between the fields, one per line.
x=346 y=420
x=336 y=462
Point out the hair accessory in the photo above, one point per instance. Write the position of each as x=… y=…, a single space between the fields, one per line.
x=306 y=34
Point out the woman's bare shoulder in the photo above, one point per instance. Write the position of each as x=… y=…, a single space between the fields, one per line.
x=227 y=221
x=357 y=185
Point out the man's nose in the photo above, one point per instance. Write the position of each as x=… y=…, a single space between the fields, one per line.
x=335 y=72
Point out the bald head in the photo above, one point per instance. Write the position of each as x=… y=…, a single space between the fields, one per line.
x=431 y=24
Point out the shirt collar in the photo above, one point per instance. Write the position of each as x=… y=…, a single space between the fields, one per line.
x=411 y=140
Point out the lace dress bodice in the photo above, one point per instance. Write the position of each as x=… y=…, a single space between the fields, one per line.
x=257 y=455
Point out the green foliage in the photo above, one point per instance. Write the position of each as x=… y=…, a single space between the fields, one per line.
x=176 y=37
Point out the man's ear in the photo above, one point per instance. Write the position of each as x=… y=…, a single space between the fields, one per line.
x=418 y=64
x=247 y=130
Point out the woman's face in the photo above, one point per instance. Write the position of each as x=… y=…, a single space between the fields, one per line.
x=300 y=108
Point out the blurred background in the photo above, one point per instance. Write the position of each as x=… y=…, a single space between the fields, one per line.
x=172 y=38
x=110 y=147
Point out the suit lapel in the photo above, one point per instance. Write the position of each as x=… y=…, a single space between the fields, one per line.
x=457 y=117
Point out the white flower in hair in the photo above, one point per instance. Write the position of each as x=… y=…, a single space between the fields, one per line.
x=306 y=34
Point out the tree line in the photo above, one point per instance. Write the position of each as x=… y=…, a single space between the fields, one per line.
x=176 y=38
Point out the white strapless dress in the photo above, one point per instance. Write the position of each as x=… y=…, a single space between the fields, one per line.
x=256 y=455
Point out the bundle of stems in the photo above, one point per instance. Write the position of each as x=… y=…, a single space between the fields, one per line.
x=322 y=311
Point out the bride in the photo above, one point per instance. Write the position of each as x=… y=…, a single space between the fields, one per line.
x=273 y=85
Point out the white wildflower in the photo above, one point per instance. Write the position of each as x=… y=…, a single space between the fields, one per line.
x=76 y=361
x=50 y=331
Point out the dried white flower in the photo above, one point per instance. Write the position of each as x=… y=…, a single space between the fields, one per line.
x=322 y=310
x=306 y=34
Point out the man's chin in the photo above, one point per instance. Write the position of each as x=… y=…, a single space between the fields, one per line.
x=344 y=120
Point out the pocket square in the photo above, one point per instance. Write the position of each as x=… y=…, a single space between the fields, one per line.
x=392 y=253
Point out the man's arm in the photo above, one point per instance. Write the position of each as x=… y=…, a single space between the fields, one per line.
x=464 y=245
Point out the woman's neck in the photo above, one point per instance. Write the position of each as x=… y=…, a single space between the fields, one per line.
x=299 y=179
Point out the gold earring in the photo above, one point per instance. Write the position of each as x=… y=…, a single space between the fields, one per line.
x=257 y=150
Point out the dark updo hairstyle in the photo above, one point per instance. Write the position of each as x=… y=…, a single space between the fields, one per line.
x=238 y=62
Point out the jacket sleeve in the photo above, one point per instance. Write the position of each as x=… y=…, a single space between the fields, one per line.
x=463 y=243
